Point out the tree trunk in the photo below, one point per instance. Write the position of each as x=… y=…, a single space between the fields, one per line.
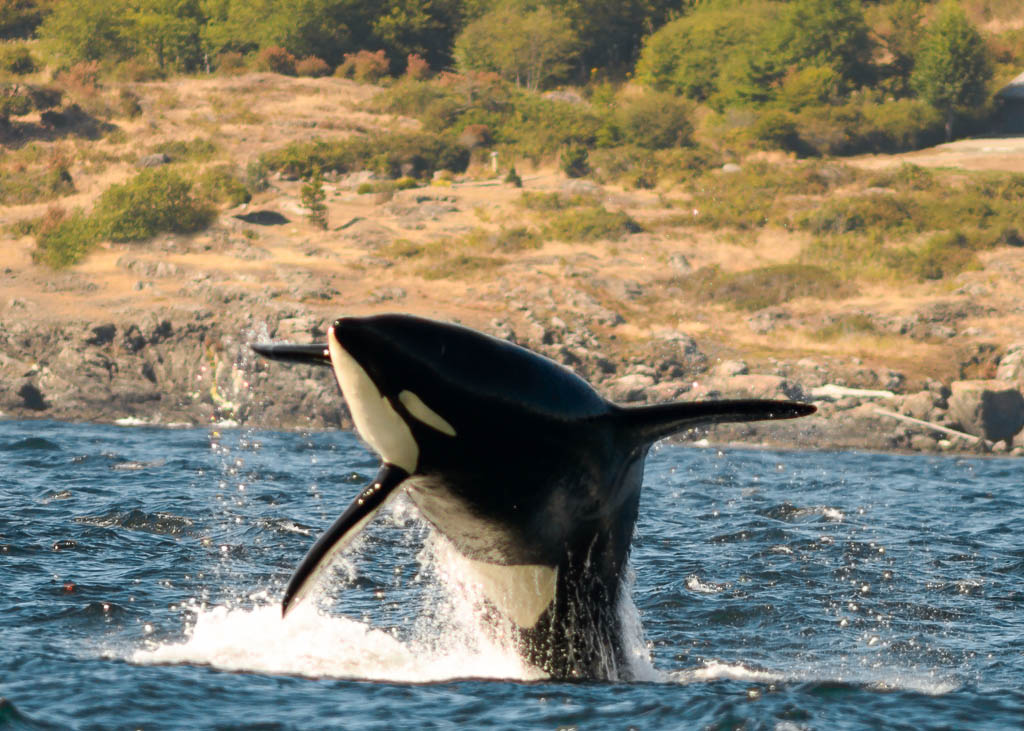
x=949 y=127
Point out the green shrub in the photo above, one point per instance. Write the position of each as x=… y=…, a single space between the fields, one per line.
x=15 y=58
x=35 y=184
x=395 y=154
x=386 y=186
x=846 y=325
x=904 y=178
x=222 y=185
x=592 y=223
x=755 y=289
x=155 y=201
x=14 y=102
x=944 y=255
x=194 y=150
x=573 y=161
x=365 y=66
x=62 y=240
x=538 y=201
x=656 y=121
x=885 y=212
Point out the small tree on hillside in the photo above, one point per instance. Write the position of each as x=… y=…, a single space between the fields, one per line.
x=312 y=198
x=953 y=65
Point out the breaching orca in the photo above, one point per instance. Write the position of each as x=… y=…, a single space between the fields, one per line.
x=531 y=475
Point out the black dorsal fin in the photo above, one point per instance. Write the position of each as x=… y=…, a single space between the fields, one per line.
x=647 y=424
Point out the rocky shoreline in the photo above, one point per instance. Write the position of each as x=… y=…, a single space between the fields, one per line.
x=193 y=367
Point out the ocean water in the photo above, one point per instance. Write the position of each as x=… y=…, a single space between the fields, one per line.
x=142 y=570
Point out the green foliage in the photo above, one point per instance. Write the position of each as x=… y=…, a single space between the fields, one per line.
x=32 y=184
x=539 y=201
x=15 y=58
x=656 y=121
x=197 y=149
x=364 y=66
x=845 y=326
x=87 y=30
x=573 y=160
x=387 y=186
x=943 y=255
x=756 y=289
x=222 y=185
x=826 y=33
x=62 y=240
x=512 y=178
x=591 y=223
x=952 y=66
x=531 y=47
x=394 y=154
x=685 y=56
x=20 y=18
x=155 y=201
x=312 y=198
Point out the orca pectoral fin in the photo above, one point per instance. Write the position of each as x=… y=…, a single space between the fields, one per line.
x=341 y=533
x=650 y=423
x=313 y=354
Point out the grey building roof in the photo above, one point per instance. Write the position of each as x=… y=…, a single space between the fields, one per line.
x=1014 y=91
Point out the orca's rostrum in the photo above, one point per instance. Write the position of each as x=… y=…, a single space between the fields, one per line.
x=531 y=475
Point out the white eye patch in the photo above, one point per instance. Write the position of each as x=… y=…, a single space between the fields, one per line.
x=415 y=406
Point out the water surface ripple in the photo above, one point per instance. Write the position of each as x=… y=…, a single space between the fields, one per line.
x=142 y=569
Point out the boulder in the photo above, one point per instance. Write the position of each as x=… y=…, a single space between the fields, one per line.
x=987 y=408
x=1011 y=366
x=630 y=388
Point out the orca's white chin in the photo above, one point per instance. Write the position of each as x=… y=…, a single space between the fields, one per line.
x=376 y=420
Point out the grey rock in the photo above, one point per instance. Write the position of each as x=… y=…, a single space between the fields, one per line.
x=630 y=388
x=987 y=408
x=153 y=161
x=728 y=368
x=1011 y=366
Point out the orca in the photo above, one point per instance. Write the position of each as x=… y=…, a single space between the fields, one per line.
x=532 y=476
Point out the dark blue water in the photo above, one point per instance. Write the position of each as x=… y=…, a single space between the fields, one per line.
x=141 y=569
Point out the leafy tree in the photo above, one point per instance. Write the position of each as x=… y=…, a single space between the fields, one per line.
x=687 y=55
x=900 y=32
x=829 y=33
x=423 y=27
x=169 y=30
x=88 y=30
x=953 y=65
x=19 y=18
x=530 y=48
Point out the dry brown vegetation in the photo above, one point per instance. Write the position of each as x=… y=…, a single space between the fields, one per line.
x=836 y=253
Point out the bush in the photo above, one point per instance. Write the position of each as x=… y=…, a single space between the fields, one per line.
x=222 y=185
x=312 y=66
x=63 y=240
x=15 y=58
x=14 y=102
x=656 y=121
x=395 y=154
x=416 y=68
x=592 y=223
x=889 y=213
x=756 y=289
x=364 y=66
x=197 y=149
x=231 y=63
x=537 y=201
x=35 y=184
x=944 y=255
x=276 y=60
x=573 y=160
x=155 y=201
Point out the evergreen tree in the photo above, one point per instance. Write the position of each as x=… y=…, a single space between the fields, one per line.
x=953 y=65
x=312 y=198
